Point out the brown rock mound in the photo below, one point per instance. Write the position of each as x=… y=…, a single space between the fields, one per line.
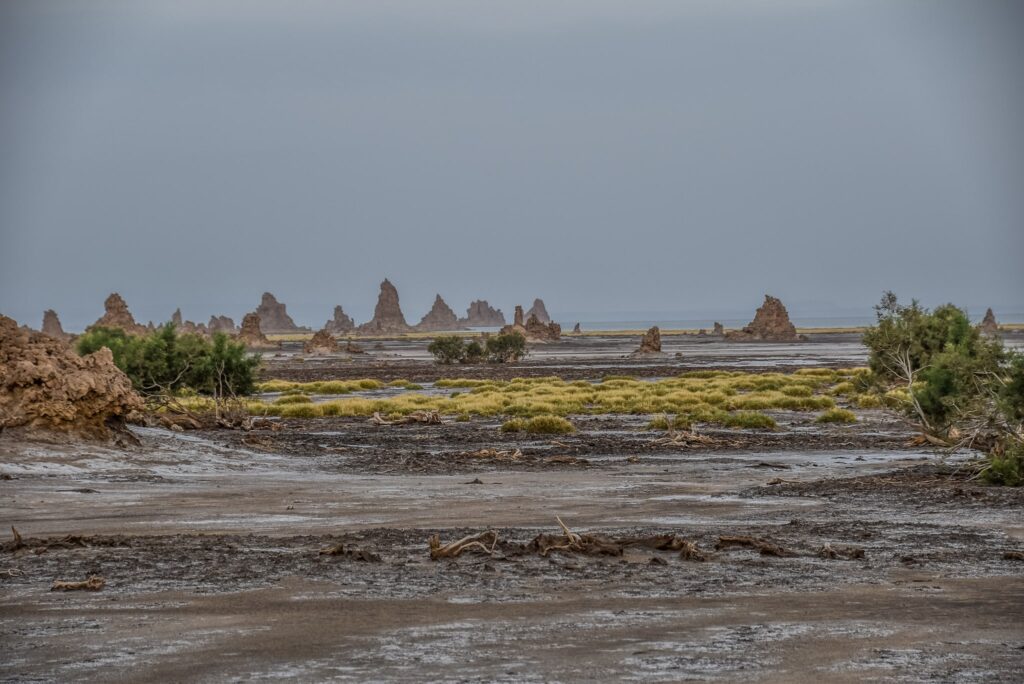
x=650 y=343
x=539 y=311
x=440 y=317
x=323 y=342
x=480 y=314
x=771 y=324
x=251 y=334
x=222 y=324
x=274 y=315
x=988 y=326
x=533 y=330
x=387 y=315
x=46 y=387
x=117 y=315
x=52 y=326
x=341 y=323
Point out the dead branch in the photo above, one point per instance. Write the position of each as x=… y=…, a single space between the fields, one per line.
x=765 y=547
x=834 y=552
x=425 y=417
x=94 y=583
x=484 y=542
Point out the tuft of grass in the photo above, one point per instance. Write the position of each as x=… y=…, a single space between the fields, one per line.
x=659 y=423
x=293 y=399
x=751 y=420
x=539 y=425
x=867 y=401
x=836 y=415
x=514 y=425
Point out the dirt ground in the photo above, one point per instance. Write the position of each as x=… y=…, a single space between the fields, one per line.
x=883 y=564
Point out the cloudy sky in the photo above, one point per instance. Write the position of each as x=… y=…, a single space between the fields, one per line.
x=675 y=157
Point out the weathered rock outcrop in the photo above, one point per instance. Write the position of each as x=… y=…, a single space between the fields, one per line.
x=480 y=314
x=341 y=323
x=52 y=326
x=576 y=329
x=719 y=329
x=387 y=315
x=440 y=317
x=771 y=324
x=274 y=315
x=222 y=324
x=988 y=326
x=533 y=330
x=176 y=318
x=251 y=333
x=117 y=315
x=539 y=311
x=650 y=343
x=323 y=342
x=45 y=387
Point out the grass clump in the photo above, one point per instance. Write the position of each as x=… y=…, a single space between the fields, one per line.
x=293 y=399
x=659 y=423
x=836 y=415
x=539 y=425
x=1006 y=469
x=751 y=420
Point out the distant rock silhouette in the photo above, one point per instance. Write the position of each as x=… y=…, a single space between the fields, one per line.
x=480 y=314
x=340 y=323
x=440 y=317
x=988 y=326
x=771 y=324
x=117 y=315
x=387 y=315
x=539 y=311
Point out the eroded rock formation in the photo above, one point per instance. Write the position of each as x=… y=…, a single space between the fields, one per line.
x=576 y=329
x=251 y=333
x=176 y=318
x=440 y=317
x=533 y=330
x=341 y=323
x=387 y=315
x=117 y=315
x=480 y=314
x=539 y=311
x=988 y=326
x=274 y=315
x=719 y=329
x=771 y=324
x=323 y=342
x=52 y=326
x=222 y=324
x=45 y=387
x=650 y=343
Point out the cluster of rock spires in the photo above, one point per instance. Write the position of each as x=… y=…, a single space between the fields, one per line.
x=533 y=329
x=222 y=324
x=251 y=333
x=274 y=316
x=45 y=387
x=440 y=317
x=117 y=315
x=480 y=314
x=771 y=324
x=341 y=323
x=989 y=326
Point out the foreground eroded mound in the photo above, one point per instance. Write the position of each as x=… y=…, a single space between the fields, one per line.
x=47 y=387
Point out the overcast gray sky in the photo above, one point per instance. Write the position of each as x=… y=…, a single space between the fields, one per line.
x=608 y=156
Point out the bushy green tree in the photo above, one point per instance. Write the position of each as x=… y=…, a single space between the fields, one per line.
x=964 y=388
x=166 y=362
x=448 y=349
x=506 y=348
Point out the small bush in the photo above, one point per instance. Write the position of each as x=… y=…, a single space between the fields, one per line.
x=448 y=349
x=868 y=401
x=749 y=420
x=293 y=399
x=836 y=415
x=473 y=353
x=506 y=348
x=549 y=425
x=1007 y=469
x=514 y=425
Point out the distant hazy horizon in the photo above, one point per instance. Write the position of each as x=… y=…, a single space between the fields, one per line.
x=609 y=157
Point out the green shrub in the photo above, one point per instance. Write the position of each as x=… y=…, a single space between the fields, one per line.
x=1006 y=469
x=506 y=348
x=165 y=361
x=514 y=425
x=473 y=353
x=293 y=399
x=748 y=419
x=448 y=349
x=836 y=415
